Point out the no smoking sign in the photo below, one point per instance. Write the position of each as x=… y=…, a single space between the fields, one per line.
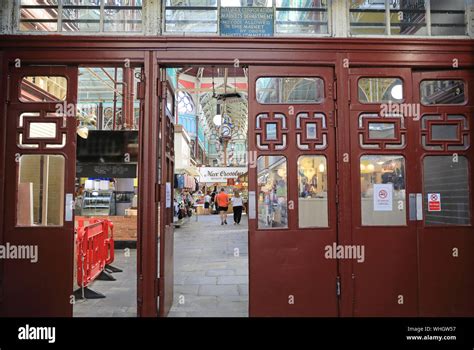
x=434 y=202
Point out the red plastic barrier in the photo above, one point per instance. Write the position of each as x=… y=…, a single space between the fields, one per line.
x=110 y=243
x=95 y=249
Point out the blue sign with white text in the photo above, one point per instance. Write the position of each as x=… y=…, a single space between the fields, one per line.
x=246 y=21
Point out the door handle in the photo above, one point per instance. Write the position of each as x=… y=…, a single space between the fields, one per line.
x=419 y=207
x=68 y=207
x=416 y=206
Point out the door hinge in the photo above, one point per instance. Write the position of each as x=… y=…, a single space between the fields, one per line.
x=337 y=194
x=157 y=287
x=335 y=115
x=349 y=90
x=334 y=91
x=8 y=89
x=141 y=90
x=161 y=89
x=157 y=192
x=338 y=286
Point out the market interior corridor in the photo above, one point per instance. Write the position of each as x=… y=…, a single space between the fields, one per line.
x=210 y=145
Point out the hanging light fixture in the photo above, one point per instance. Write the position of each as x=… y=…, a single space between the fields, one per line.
x=83 y=131
x=321 y=168
x=217 y=120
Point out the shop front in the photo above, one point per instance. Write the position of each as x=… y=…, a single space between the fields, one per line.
x=325 y=165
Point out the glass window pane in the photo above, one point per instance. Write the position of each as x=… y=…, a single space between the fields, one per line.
x=38 y=16
x=246 y=3
x=272 y=192
x=123 y=16
x=382 y=131
x=380 y=90
x=311 y=131
x=192 y=21
x=301 y=22
x=40 y=196
x=271 y=131
x=448 y=17
x=367 y=17
x=440 y=132
x=42 y=131
x=43 y=89
x=81 y=15
x=445 y=92
x=191 y=3
x=289 y=90
x=450 y=181
x=408 y=17
x=312 y=191
x=382 y=181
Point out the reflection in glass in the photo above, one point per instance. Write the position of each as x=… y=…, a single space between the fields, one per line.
x=271 y=131
x=382 y=169
x=289 y=90
x=450 y=180
x=367 y=17
x=43 y=89
x=312 y=191
x=42 y=131
x=301 y=21
x=442 y=92
x=40 y=196
x=380 y=90
x=311 y=131
x=448 y=17
x=272 y=192
x=382 y=131
x=81 y=15
x=408 y=17
x=194 y=16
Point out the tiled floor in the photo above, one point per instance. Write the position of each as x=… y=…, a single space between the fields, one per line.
x=210 y=274
x=211 y=269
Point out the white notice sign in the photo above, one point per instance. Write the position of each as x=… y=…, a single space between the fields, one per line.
x=168 y=195
x=252 y=205
x=383 y=194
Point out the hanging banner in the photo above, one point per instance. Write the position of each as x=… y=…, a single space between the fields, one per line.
x=216 y=174
x=434 y=202
x=383 y=194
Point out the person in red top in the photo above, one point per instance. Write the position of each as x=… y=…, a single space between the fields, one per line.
x=222 y=200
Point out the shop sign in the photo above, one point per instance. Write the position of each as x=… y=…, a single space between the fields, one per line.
x=383 y=194
x=216 y=174
x=246 y=21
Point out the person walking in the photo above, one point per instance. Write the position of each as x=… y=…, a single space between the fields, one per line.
x=237 y=206
x=207 y=203
x=222 y=200
x=214 y=207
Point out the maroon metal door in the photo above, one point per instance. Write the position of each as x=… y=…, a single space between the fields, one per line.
x=384 y=178
x=445 y=155
x=292 y=192
x=166 y=181
x=40 y=173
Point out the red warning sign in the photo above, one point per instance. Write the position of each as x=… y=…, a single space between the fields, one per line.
x=434 y=202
